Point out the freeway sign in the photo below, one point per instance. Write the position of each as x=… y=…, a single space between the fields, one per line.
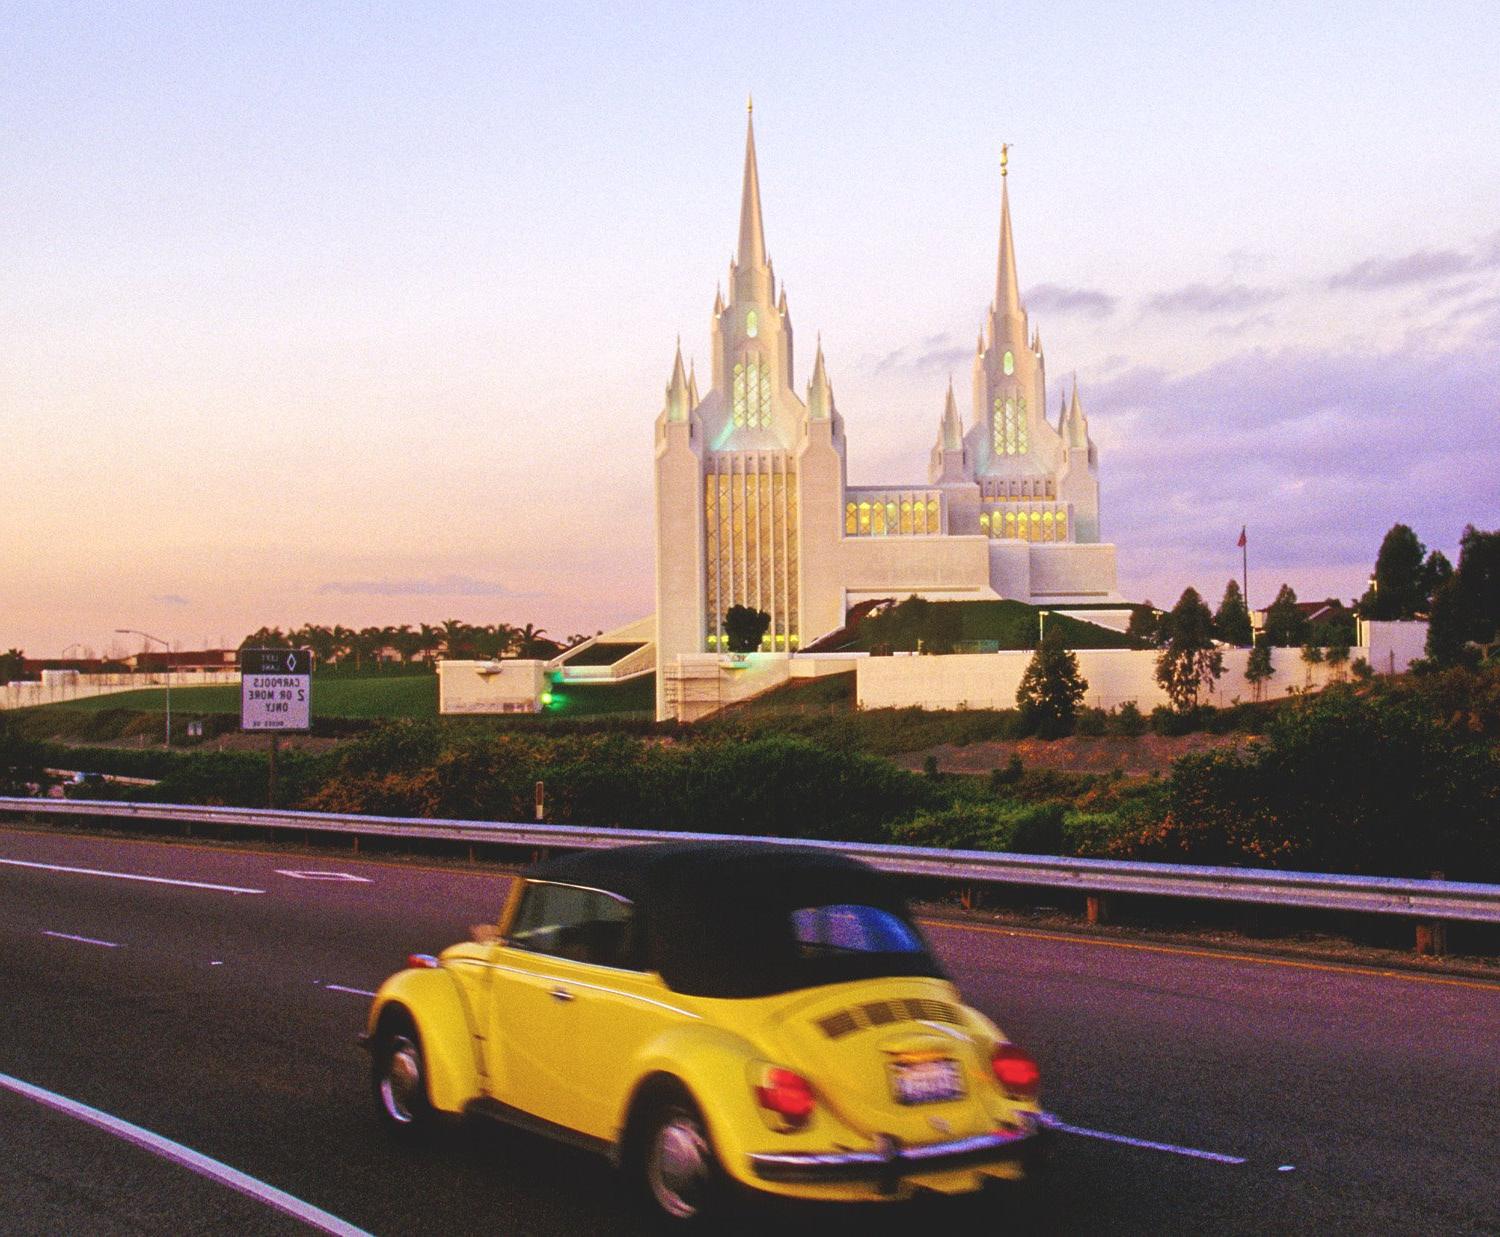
x=275 y=689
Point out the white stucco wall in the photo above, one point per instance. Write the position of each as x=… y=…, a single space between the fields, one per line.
x=491 y=686
x=990 y=680
x=1393 y=646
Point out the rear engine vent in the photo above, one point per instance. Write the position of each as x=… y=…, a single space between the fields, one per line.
x=882 y=1013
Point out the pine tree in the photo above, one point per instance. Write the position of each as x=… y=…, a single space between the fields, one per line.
x=1286 y=626
x=1051 y=689
x=1191 y=660
x=1232 y=619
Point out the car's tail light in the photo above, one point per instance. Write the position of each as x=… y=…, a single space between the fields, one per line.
x=421 y=961
x=788 y=1096
x=1016 y=1072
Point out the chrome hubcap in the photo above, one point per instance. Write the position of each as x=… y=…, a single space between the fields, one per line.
x=677 y=1169
x=399 y=1085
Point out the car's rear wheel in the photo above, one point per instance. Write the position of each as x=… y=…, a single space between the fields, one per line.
x=398 y=1077
x=676 y=1174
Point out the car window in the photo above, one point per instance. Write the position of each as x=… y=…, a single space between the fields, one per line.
x=846 y=928
x=584 y=925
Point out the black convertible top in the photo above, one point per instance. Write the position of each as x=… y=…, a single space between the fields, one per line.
x=714 y=918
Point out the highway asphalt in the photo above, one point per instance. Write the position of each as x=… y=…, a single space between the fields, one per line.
x=1282 y=1097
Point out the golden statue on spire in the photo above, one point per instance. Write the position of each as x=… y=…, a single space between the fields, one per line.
x=1004 y=157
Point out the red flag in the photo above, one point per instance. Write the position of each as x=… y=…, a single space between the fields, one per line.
x=1241 y=542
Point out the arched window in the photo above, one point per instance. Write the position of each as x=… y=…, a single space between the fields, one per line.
x=984 y=522
x=1010 y=363
x=1010 y=523
x=1047 y=526
x=1036 y=525
x=752 y=324
x=1062 y=525
x=851 y=519
x=864 y=517
x=934 y=525
x=752 y=394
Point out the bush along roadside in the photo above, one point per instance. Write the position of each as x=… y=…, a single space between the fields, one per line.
x=1395 y=779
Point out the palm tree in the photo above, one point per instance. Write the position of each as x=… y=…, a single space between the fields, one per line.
x=457 y=638
x=430 y=641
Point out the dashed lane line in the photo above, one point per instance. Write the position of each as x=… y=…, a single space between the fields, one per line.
x=1062 y=1127
x=205 y=1166
x=83 y=940
x=342 y=988
x=128 y=876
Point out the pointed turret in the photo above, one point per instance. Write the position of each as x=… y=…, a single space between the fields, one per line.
x=1076 y=426
x=718 y=300
x=752 y=248
x=819 y=390
x=693 y=400
x=781 y=303
x=677 y=390
x=953 y=434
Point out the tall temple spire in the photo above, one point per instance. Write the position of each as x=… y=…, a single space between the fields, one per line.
x=752 y=250
x=1007 y=291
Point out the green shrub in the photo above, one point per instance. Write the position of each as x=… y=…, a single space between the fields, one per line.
x=1092 y=722
x=1127 y=721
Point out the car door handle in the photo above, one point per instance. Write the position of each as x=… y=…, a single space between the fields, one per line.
x=561 y=994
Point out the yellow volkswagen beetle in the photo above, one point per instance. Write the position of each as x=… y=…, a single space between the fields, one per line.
x=713 y=1017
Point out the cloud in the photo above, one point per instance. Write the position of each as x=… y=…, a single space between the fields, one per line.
x=439 y=586
x=1424 y=266
x=169 y=599
x=1319 y=451
x=1203 y=298
x=1059 y=299
x=934 y=352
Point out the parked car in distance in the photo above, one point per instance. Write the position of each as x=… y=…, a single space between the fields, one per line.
x=715 y=1018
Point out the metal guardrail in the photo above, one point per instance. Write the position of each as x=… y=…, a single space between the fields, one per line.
x=1423 y=899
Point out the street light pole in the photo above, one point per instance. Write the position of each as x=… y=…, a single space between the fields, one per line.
x=167 y=664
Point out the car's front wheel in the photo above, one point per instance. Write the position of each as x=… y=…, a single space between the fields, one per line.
x=398 y=1077
x=677 y=1175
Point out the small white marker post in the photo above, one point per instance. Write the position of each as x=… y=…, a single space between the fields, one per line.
x=540 y=800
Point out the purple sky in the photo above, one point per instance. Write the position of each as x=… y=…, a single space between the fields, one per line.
x=362 y=314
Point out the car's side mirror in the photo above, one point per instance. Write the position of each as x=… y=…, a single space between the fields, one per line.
x=485 y=933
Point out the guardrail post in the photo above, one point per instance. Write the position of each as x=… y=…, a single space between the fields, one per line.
x=1432 y=934
x=1432 y=938
x=1096 y=908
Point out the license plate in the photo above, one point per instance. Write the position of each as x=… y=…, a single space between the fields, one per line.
x=926 y=1082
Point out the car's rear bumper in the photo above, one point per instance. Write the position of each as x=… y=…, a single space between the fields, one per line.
x=886 y=1164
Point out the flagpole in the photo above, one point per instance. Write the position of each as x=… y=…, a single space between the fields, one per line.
x=1245 y=568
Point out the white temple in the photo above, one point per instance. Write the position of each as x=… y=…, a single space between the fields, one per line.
x=753 y=507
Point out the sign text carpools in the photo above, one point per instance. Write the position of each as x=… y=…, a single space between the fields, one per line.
x=275 y=689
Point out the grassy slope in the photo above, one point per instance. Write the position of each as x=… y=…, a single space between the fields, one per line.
x=407 y=695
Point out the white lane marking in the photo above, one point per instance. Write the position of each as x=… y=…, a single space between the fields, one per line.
x=1287 y=1168
x=1193 y=1152
x=308 y=875
x=128 y=876
x=341 y=988
x=86 y=940
x=215 y=1170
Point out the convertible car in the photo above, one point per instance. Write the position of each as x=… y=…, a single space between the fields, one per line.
x=714 y=1017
